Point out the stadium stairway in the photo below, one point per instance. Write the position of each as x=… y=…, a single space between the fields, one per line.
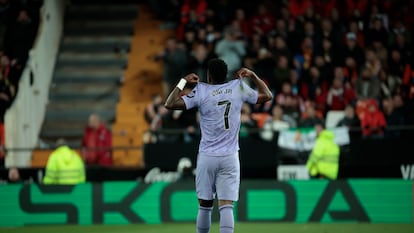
x=90 y=67
x=142 y=79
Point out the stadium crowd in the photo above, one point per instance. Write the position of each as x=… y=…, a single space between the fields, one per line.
x=316 y=56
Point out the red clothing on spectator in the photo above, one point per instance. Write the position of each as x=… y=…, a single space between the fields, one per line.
x=360 y=5
x=349 y=94
x=264 y=22
x=99 y=142
x=408 y=76
x=199 y=6
x=320 y=102
x=336 y=99
x=324 y=7
x=350 y=74
x=244 y=27
x=297 y=8
x=373 y=122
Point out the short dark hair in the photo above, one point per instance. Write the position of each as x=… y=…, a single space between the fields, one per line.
x=217 y=70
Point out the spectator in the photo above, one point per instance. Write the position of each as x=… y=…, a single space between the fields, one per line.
x=294 y=81
x=198 y=61
x=338 y=23
x=20 y=37
x=372 y=62
x=7 y=13
x=381 y=52
x=349 y=93
x=377 y=32
x=394 y=118
x=262 y=21
x=313 y=80
x=320 y=101
x=324 y=7
x=64 y=166
x=352 y=49
x=373 y=121
x=7 y=93
x=310 y=118
x=242 y=23
x=323 y=161
x=190 y=37
x=325 y=70
x=390 y=85
x=166 y=10
x=193 y=15
x=254 y=44
x=294 y=38
x=328 y=33
x=306 y=54
x=280 y=29
x=247 y=121
x=279 y=121
x=398 y=103
x=402 y=45
x=188 y=120
x=11 y=72
x=351 y=121
x=152 y=108
x=396 y=64
x=264 y=67
x=290 y=102
x=280 y=48
x=350 y=71
x=328 y=53
x=175 y=61
x=299 y=7
x=367 y=86
x=355 y=5
x=97 y=142
x=230 y=50
x=164 y=119
x=281 y=74
x=336 y=99
x=310 y=32
x=359 y=34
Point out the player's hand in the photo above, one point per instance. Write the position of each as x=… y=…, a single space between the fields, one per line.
x=192 y=78
x=244 y=72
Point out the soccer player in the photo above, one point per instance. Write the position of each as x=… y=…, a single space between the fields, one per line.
x=218 y=167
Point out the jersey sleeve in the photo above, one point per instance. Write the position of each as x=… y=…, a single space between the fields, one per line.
x=248 y=94
x=192 y=99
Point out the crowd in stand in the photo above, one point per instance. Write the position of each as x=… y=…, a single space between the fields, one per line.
x=19 y=20
x=316 y=56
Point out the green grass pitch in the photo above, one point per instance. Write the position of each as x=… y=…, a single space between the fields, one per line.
x=239 y=228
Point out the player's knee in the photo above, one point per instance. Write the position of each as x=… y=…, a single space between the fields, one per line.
x=205 y=203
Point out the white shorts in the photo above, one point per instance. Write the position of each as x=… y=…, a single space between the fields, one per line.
x=218 y=175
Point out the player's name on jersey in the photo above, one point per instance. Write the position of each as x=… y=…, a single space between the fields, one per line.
x=221 y=91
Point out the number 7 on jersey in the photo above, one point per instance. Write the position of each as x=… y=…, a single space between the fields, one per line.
x=226 y=112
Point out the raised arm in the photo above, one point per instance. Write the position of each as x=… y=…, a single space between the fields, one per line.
x=174 y=100
x=264 y=93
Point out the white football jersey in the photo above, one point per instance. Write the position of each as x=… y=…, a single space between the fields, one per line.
x=220 y=108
